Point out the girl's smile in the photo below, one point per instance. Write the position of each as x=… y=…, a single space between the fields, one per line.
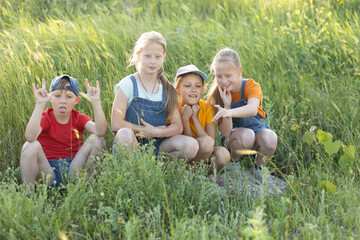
x=190 y=89
x=228 y=76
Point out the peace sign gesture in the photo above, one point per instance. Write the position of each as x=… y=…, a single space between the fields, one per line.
x=41 y=95
x=93 y=93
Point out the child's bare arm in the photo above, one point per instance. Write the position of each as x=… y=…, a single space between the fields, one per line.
x=118 y=113
x=249 y=110
x=222 y=115
x=224 y=123
x=99 y=127
x=200 y=131
x=186 y=114
x=33 y=128
x=210 y=129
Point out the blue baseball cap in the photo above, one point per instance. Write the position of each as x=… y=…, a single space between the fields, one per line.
x=190 y=69
x=74 y=85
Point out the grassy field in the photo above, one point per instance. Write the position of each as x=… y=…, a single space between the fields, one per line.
x=305 y=55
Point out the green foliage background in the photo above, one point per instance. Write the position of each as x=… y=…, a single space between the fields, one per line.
x=305 y=55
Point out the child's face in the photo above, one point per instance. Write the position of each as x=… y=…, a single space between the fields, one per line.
x=63 y=101
x=228 y=76
x=190 y=89
x=151 y=58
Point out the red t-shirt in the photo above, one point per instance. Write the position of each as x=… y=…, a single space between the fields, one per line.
x=61 y=140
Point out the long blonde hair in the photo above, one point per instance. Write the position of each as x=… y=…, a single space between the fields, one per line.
x=225 y=55
x=145 y=39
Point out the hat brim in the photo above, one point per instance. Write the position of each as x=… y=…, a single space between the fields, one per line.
x=202 y=74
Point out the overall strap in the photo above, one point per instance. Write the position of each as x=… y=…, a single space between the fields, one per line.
x=135 y=88
x=243 y=87
x=163 y=93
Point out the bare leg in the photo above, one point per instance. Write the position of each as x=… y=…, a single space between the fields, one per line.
x=126 y=137
x=206 y=148
x=180 y=146
x=33 y=163
x=221 y=157
x=265 y=144
x=240 y=139
x=87 y=154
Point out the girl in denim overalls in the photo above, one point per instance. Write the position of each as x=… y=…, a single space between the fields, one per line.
x=146 y=99
x=240 y=114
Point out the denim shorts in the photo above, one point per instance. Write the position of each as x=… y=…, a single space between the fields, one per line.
x=61 y=169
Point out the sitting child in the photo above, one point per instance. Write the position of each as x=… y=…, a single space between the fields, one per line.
x=197 y=115
x=54 y=136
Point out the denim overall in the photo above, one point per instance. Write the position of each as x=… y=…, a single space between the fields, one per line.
x=151 y=112
x=255 y=123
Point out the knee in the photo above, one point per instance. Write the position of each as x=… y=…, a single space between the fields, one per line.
x=124 y=136
x=206 y=144
x=191 y=148
x=270 y=141
x=95 y=142
x=222 y=156
x=244 y=139
x=30 y=148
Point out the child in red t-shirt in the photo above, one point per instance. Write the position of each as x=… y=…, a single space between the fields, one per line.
x=54 y=136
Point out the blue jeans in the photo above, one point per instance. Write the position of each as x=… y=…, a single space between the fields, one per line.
x=61 y=169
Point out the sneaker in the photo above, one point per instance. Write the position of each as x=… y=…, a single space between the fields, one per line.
x=260 y=173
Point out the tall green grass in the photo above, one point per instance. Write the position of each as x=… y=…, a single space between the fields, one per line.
x=305 y=55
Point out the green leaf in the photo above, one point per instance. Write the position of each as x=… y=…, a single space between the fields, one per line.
x=332 y=147
x=309 y=138
x=328 y=186
x=323 y=136
x=312 y=129
x=349 y=151
x=345 y=163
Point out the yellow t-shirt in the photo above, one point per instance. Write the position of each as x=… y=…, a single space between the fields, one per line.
x=205 y=116
x=251 y=89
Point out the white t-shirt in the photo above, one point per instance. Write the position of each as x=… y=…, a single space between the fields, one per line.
x=126 y=86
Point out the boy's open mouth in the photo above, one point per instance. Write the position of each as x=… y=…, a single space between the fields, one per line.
x=62 y=109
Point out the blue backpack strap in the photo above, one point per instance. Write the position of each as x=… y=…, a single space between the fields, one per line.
x=242 y=88
x=135 y=88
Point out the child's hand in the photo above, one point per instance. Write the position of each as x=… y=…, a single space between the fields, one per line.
x=225 y=96
x=222 y=112
x=147 y=131
x=93 y=93
x=186 y=112
x=41 y=95
x=196 y=110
